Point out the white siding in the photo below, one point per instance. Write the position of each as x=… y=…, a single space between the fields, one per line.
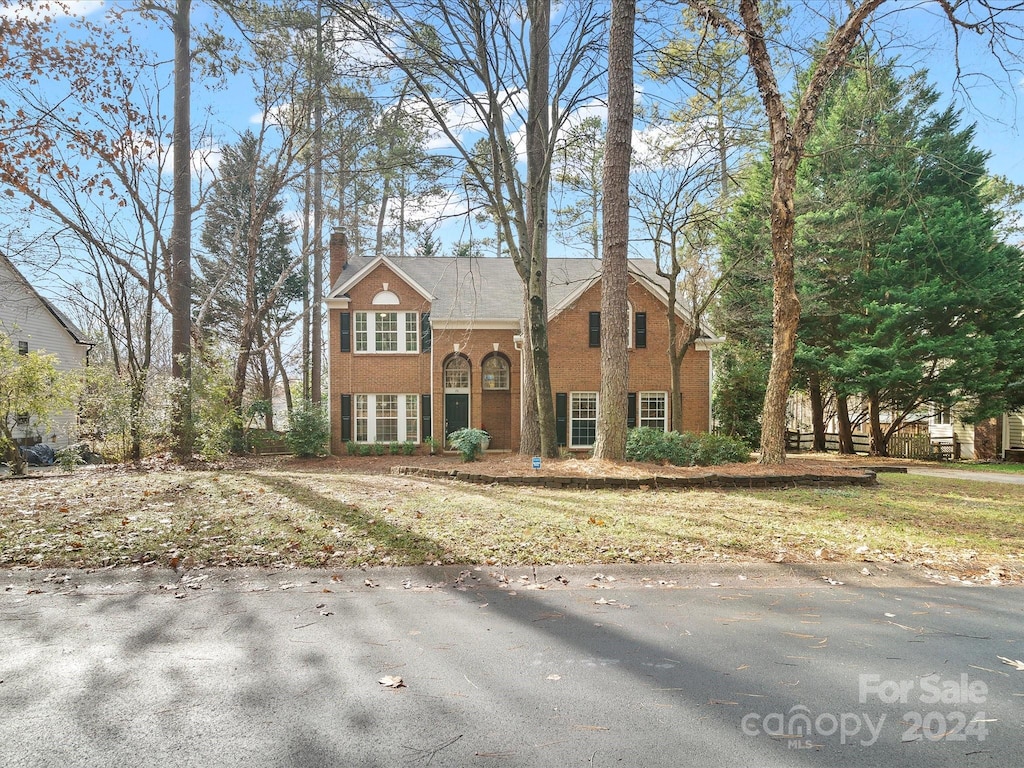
x=25 y=318
x=1015 y=429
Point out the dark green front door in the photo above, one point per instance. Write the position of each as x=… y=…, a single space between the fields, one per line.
x=456 y=412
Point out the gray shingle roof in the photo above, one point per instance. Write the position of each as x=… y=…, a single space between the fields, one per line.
x=490 y=288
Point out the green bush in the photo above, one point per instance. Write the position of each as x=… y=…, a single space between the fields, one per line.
x=720 y=449
x=310 y=432
x=683 y=449
x=69 y=457
x=468 y=441
x=352 y=448
x=408 y=448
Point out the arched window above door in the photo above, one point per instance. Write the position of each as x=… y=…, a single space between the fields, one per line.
x=456 y=373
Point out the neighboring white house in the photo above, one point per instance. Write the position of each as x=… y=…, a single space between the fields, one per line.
x=34 y=324
x=1008 y=432
x=1013 y=430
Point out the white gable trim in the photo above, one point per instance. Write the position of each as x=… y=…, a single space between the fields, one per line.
x=660 y=293
x=346 y=286
x=570 y=299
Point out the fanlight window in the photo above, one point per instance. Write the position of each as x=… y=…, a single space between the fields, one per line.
x=456 y=374
x=495 y=373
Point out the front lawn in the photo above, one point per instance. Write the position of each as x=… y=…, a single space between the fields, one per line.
x=284 y=513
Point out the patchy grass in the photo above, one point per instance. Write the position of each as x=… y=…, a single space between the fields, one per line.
x=294 y=514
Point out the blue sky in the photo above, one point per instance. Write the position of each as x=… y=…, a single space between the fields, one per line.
x=987 y=95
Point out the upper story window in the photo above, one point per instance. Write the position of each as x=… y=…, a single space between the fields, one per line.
x=387 y=331
x=22 y=347
x=594 y=328
x=495 y=373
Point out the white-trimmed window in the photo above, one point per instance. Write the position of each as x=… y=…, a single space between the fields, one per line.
x=456 y=375
x=653 y=408
x=387 y=418
x=387 y=331
x=495 y=373
x=582 y=419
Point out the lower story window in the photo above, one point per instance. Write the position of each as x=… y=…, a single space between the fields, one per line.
x=387 y=418
x=583 y=419
x=653 y=410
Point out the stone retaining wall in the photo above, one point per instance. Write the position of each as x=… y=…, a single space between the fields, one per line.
x=709 y=480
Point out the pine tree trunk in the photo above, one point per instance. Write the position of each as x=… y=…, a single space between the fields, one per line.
x=611 y=421
x=845 y=426
x=180 y=278
x=316 y=321
x=817 y=411
x=879 y=443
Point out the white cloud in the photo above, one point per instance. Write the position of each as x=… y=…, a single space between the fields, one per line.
x=37 y=10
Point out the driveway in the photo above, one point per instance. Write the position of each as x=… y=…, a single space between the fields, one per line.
x=966 y=474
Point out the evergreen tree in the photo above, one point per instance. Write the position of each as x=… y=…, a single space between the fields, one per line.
x=247 y=280
x=920 y=299
x=910 y=300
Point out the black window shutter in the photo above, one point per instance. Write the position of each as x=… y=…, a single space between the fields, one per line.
x=631 y=410
x=425 y=416
x=346 y=331
x=346 y=418
x=595 y=329
x=425 y=335
x=640 y=327
x=561 y=412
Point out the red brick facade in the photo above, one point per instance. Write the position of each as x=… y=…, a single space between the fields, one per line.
x=575 y=366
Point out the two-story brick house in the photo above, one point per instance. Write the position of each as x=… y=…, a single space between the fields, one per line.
x=420 y=347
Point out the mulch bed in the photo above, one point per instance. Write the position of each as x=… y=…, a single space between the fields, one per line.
x=515 y=469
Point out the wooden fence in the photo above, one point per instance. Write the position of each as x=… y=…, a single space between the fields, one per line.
x=901 y=446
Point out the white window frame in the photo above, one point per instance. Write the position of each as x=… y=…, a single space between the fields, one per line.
x=464 y=366
x=629 y=325
x=365 y=417
x=496 y=383
x=662 y=421
x=574 y=397
x=407 y=333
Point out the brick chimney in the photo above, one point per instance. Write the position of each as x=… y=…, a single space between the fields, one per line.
x=338 y=254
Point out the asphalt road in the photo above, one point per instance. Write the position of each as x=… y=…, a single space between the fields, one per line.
x=648 y=666
x=966 y=474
